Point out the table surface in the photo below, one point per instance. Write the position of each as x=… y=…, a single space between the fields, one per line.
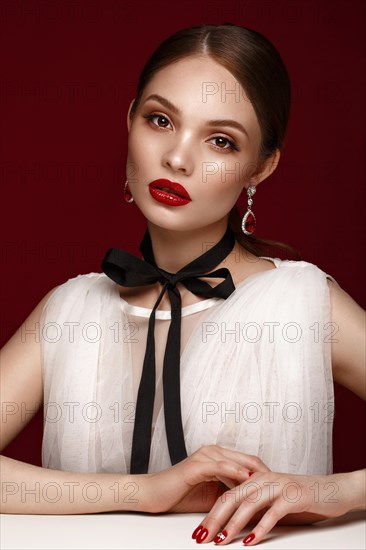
x=173 y=531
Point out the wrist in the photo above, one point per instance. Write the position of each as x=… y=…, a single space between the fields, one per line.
x=357 y=490
x=353 y=489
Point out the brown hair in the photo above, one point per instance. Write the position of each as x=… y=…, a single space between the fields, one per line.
x=256 y=64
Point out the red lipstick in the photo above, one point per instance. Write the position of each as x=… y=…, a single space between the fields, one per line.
x=169 y=192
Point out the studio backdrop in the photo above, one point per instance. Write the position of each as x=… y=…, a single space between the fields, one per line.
x=69 y=71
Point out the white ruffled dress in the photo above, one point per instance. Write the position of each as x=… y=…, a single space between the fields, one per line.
x=255 y=372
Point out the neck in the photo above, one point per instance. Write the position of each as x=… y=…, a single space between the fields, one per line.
x=175 y=249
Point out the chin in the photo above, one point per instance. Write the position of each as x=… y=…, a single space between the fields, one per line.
x=165 y=217
x=175 y=225
x=179 y=218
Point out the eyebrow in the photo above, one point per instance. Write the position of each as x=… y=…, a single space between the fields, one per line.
x=215 y=122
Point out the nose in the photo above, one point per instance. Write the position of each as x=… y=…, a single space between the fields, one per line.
x=179 y=158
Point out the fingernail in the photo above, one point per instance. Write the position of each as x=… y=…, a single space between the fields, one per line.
x=249 y=538
x=202 y=535
x=250 y=473
x=196 y=531
x=220 y=537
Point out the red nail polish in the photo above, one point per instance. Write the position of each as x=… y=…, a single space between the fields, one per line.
x=250 y=473
x=202 y=535
x=220 y=537
x=249 y=538
x=197 y=531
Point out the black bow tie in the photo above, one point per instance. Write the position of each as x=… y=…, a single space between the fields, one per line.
x=128 y=270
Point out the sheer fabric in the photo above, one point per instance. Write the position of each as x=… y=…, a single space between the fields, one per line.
x=255 y=372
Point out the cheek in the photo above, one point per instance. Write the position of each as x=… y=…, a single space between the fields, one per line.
x=221 y=193
x=140 y=143
x=232 y=172
x=228 y=180
x=138 y=155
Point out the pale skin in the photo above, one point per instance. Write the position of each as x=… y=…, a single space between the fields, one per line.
x=180 y=146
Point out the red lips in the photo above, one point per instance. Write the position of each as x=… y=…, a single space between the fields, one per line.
x=169 y=192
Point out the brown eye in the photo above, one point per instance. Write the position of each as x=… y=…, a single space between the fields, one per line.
x=221 y=141
x=225 y=141
x=163 y=120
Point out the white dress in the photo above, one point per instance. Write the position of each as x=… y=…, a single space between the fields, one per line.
x=255 y=372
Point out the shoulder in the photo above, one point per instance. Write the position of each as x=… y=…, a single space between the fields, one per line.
x=296 y=287
x=82 y=280
x=310 y=279
x=344 y=307
x=302 y=267
x=349 y=345
x=297 y=273
x=77 y=288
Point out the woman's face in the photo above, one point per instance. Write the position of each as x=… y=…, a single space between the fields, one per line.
x=176 y=134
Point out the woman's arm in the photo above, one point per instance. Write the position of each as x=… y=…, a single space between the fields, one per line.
x=269 y=498
x=21 y=388
x=349 y=346
x=28 y=489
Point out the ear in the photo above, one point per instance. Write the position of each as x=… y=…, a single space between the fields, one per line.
x=128 y=115
x=266 y=168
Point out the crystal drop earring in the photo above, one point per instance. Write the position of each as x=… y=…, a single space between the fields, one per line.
x=249 y=222
x=127 y=193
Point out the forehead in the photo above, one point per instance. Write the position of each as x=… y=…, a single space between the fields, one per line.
x=199 y=82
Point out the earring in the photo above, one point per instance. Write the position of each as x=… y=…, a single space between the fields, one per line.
x=249 y=222
x=127 y=193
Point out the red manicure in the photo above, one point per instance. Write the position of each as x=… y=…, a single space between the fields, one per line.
x=197 y=531
x=249 y=538
x=202 y=535
x=250 y=473
x=220 y=537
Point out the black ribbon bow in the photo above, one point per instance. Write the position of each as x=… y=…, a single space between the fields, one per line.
x=128 y=270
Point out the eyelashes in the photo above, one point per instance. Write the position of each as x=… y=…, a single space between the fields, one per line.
x=232 y=144
x=152 y=117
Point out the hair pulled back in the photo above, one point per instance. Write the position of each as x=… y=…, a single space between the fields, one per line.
x=256 y=64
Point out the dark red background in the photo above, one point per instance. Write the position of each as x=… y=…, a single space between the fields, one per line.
x=69 y=70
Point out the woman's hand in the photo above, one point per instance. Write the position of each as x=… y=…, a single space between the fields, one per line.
x=194 y=484
x=280 y=498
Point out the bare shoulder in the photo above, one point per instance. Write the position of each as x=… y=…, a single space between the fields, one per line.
x=21 y=374
x=348 y=346
x=342 y=304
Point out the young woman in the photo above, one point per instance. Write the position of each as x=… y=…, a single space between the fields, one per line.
x=191 y=380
